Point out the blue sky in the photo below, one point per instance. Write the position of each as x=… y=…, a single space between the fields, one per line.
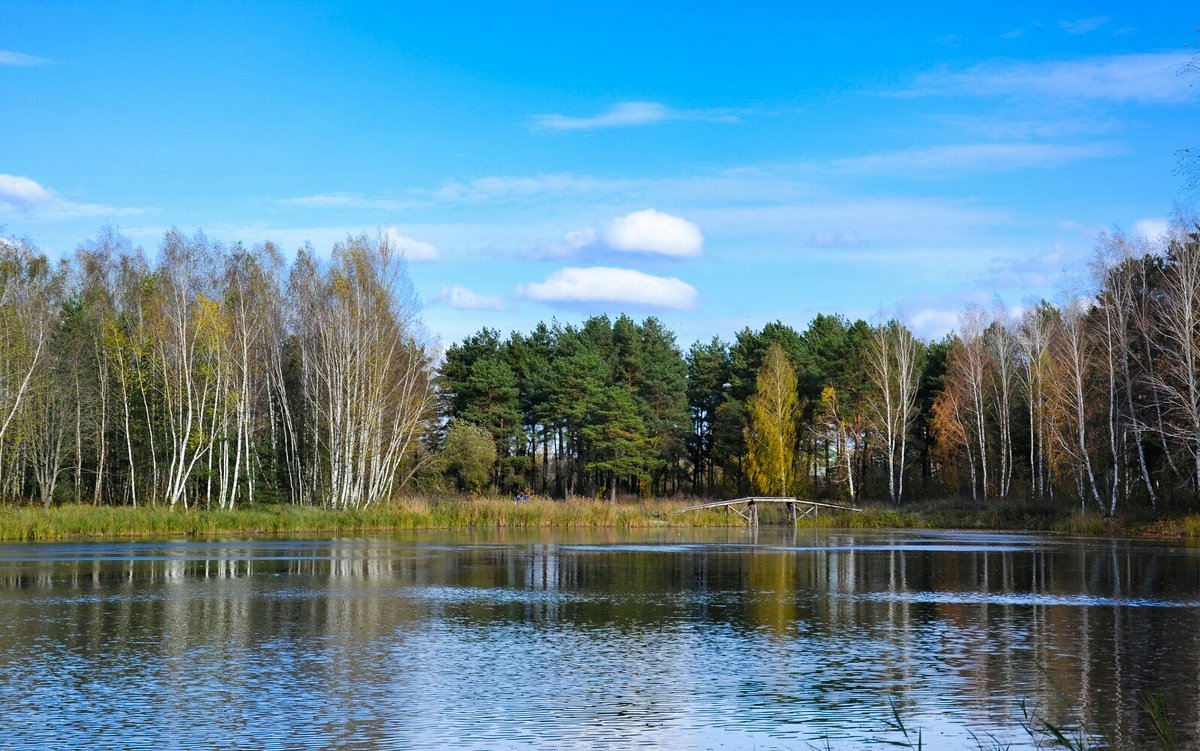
x=718 y=167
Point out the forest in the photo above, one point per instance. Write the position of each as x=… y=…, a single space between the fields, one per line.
x=213 y=376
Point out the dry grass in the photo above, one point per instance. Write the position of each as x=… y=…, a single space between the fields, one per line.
x=456 y=512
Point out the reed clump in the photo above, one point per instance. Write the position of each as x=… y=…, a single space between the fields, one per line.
x=33 y=523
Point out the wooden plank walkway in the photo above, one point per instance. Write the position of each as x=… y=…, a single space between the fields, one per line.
x=796 y=507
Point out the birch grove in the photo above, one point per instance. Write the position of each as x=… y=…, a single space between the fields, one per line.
x=195 y=380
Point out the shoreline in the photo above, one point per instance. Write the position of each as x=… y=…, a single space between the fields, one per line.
x=77 y=521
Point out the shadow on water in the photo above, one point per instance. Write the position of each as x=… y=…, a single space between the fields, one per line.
x=592 y=638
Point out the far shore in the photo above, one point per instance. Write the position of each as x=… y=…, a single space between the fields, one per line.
x=77 y=521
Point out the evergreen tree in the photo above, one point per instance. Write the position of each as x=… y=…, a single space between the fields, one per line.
x=618 y=444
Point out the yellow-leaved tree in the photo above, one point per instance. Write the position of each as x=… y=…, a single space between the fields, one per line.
x=774 y=416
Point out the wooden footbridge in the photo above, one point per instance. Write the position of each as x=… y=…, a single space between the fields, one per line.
x=747 y=508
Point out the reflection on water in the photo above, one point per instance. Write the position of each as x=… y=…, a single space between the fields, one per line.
x=590 y=640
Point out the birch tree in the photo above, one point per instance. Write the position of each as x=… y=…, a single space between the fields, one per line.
x=1178 y=318
x=1075 y=395
x=1033 y=345
x=26 y=324
x=1000 y=346
x=894 y=369
x=969 y=365
x=365 y=370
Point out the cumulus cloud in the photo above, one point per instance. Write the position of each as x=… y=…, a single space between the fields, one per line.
x=651 y=231
x=1145 y=78
x=461 y=298
x=28 y=199
x=627 y=114
x=413 y=250
x=648 y=232
x=21 y=60
x=601 y=284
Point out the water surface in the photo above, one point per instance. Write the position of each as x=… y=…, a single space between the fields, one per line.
x=596 y=639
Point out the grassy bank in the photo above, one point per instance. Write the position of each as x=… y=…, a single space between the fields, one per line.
x=32 y=523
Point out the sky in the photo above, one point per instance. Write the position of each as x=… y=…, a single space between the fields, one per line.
x=716 y=165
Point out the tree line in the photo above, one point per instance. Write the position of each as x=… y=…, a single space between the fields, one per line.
x=210 y=376
x=615 y=406
x=1093 y=401
x=214 y=375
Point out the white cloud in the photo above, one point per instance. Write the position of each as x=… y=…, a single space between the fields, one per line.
x=933 y=323
x=21 y=60
x=1152 y=229
x=23 y=192
x=1083 y=25
x=627 y=114
x=1146 y=78
x=580 y=238
x=651 y=231
x=461 y=298
x=601 y=284
x=413 y=250
x=976 y=157
x=28 y=199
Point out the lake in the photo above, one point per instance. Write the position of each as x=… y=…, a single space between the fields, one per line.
x=734 y=639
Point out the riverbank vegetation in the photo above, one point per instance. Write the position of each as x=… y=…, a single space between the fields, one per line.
x=213 y=377
x=84 y=521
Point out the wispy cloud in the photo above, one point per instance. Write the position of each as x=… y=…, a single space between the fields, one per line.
x=1083 y=25
x=506 y=187
x=1153 y=229
x=1002 y=126
x=629 y=114
x=935 y=224
x=602 y=284
x=347 y=201
x=28 y=199
x=1036 y=269
x=461 y=298
x=976 y=157
x=1145 y=78
x=932 y=323
x=21 y=60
